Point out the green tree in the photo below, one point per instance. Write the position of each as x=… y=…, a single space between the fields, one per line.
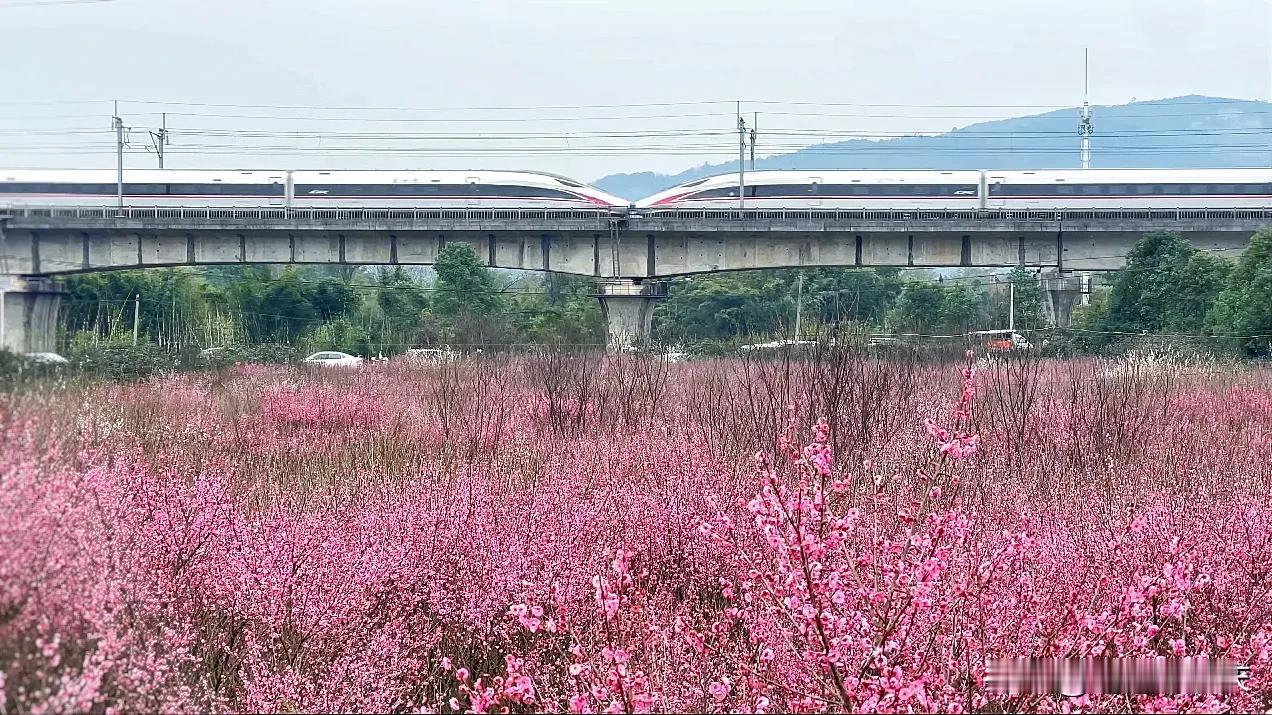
x=566 y=313
x=273 y=308
x=725 y=306
x=959 y=307
x=403 y=310
x=919 y=307
x=859 y=295
x=334 y=299
x=1243 y=310
x=1030 y=299
x=173 y=304
x=468 y=305
x=1166 y=286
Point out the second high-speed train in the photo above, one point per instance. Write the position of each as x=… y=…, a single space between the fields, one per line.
x=391 y=189
x=1089 y=188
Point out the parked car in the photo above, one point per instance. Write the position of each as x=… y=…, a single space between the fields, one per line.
x=431 y=355
x=331 y=358
x=1002 y=341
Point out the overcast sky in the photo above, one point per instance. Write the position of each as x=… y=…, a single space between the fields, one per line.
x=425 y=54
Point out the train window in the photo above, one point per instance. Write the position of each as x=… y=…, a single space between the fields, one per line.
x=1064 y=190
x=1227 y=188
x=146 y=189
x=25 y=187
x=1171 y=189
x=1118 y=190
x=225 y=189
x=1091 y=189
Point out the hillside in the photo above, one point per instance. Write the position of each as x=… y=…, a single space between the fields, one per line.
x=1182 y=132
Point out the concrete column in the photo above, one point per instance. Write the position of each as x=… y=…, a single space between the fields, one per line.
x=1062 y=291
x=28 y=314
x=629 y=311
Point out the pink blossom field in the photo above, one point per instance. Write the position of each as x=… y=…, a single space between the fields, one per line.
x=588 y=534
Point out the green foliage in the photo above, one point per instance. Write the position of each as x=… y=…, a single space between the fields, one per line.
x=1031 y=302
x=103 y=303
x=468 y=306
x=463 y=284
x=852 y=295
x=121 y=361
x=959 y=308
x=341 y=334
x=1167 y=286
x=726 y=306
x=403 y=306
x=567 y=313
x=1243 y=310
x=919 y=307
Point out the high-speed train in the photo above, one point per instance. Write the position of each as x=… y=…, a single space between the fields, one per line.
x=1088 y=188
x=392 y=189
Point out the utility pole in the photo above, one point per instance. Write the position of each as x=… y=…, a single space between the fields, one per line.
x=136 y=317
x=1011 y=310
x=799 y=303
x=1085 y=127
x=119 y=159
x=755 y=123
x=159 y=139
x=741 y=159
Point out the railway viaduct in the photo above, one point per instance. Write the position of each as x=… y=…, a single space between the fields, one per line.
x=626 y=253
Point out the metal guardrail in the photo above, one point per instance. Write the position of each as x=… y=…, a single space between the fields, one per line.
x=280 y=213
x=636 y=216
x=951 y=214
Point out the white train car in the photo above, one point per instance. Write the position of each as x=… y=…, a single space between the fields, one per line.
x=1129 y=188
x=143 y=187
x=1090 y=188
x=348 y=189
x=828 y=189
x=445 y=189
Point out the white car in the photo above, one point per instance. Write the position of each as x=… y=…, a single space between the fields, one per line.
x=46 y=359
x=331 y=358
x=431 y=355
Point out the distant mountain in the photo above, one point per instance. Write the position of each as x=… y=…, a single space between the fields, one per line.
x=1183 y=132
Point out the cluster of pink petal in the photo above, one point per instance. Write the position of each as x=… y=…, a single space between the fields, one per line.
x=468 y=538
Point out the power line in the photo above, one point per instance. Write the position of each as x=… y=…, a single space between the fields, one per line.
x=43 y=3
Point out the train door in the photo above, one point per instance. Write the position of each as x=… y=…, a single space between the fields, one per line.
x=277 y=190
x=474 y=191
x=814 y=191
x=994 y=198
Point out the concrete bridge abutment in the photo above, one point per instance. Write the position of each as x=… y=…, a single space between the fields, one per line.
x=1063 y=290
x=628 y=307
x=28 y=314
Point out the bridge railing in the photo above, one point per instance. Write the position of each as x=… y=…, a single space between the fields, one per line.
x=898 y=215
x=636 y=216
x=281 y=213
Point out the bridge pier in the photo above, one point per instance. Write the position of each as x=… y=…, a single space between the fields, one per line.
x=1063 y=290
x=629 y=311
x=28 y=314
